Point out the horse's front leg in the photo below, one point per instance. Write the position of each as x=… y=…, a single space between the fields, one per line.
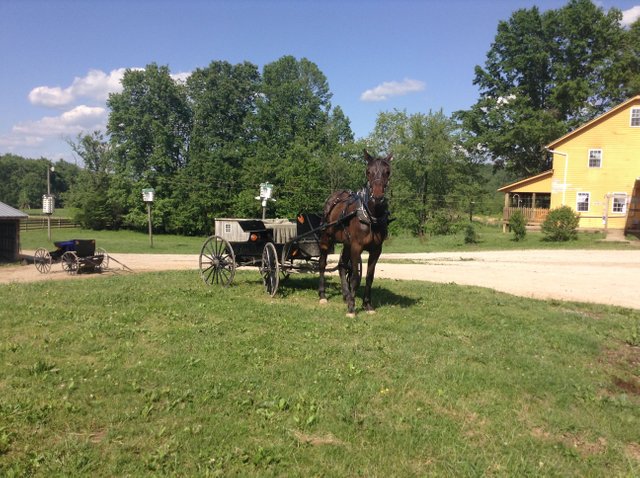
x=371 y=270
x=352 y=280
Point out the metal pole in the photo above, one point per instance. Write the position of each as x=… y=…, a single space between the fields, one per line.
x=48 y=195
x=150 y=229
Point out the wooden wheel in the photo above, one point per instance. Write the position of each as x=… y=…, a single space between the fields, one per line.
x=42 y=260
x=104 y=263
x=70 y=262
x=217 y=262
x=269 y=269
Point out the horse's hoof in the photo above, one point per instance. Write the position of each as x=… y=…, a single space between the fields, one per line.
x=323 y=301
x=351 y=315
x=371 y=311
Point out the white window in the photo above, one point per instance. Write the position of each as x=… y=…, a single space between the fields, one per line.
x=227 y=228
x=619 y=204
x=582 y=202
x=635 y=116
x=595 y=158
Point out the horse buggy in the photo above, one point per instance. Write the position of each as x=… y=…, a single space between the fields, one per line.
x=75 y=255
x=278 y=247
x=357 y=220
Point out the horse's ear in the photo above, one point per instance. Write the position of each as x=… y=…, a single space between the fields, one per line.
x=367 y=156
x=389 y=157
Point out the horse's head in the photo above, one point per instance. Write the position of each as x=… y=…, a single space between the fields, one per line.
x=378 y=173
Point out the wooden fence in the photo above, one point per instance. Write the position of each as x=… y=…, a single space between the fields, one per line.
x=40 y=222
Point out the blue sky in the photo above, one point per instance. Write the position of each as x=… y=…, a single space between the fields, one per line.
x=61 y=58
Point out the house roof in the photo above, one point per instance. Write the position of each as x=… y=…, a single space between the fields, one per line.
x=7 y=212
x=530 y=179
x=593 y=121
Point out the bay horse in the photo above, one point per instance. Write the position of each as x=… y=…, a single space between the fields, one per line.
x=360 y=222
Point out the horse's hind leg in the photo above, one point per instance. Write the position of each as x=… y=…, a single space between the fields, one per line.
x=322 y=265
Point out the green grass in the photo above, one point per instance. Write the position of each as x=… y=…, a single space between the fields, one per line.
x=115 y=241
x=491 y=238
x=155 y=374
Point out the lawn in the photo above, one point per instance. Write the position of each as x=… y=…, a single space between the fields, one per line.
x=153 y=374
x=490 y=238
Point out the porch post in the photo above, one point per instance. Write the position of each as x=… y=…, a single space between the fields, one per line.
x=504 y=212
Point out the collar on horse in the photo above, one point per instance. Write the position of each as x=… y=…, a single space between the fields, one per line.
x=364 y=213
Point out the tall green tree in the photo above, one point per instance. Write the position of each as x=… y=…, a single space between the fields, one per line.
x=296 y=132
x=431 y=172
x=149 y=126
x=97 y=207
x=222 y=99
x=545 y=74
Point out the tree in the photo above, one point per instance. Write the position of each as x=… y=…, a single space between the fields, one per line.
x=431 y=173
x=24 y=181
x=149 y=124
x=223 y=99
x=545 y=74
x=92 y=194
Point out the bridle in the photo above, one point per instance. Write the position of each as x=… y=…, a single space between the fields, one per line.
x=377 y=179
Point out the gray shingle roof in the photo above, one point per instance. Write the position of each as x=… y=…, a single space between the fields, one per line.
x=7 y=212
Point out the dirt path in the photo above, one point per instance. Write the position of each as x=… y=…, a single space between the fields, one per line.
x=606 y=277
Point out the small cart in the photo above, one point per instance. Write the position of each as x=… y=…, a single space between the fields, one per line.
x=75 y=255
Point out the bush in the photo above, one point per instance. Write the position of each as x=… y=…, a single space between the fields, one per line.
x=518 y=225
x=561 y=224
x=470 y=234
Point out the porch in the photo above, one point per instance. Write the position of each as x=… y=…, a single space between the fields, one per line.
x=535 y=216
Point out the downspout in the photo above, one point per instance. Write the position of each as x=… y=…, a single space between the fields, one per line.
x=566 y=167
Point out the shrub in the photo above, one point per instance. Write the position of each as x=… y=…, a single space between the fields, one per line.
x=442 y=223
x=561 y=224
x=470 y=234
x=518 y=225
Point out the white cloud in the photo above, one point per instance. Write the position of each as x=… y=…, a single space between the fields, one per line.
x=631 y=15
x=95 y=86
x=392 y=88
x=70 y=123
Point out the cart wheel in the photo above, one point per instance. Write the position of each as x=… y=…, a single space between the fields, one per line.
x=42 y=260
x=269 y=269
x=104 y=264
x=70 y=262
x=217 y=262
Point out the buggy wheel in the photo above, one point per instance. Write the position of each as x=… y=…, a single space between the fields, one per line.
x=269 y=269
x=42 y=260
x=70 y=262
x=217 y=262
x=103 y=264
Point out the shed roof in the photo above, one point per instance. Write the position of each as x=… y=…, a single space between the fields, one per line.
x=7 y=212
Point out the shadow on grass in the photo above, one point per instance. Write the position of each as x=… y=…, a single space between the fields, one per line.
x=380 y=296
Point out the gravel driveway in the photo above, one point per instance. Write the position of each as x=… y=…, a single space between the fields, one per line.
x=605 y=277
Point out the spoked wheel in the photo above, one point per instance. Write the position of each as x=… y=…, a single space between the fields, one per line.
x=70 y=262
x=42 y=260
x=104 y=263
x=217 y=262
x=269 y=269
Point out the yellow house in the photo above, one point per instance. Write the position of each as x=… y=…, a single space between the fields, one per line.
x=596 y=172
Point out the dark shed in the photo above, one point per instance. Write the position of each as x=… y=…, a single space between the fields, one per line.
x=10 y=233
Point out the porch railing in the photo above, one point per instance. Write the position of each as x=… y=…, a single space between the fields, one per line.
x=533 y=215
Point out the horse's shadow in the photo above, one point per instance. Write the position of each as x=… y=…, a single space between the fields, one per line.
x=381 y=296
